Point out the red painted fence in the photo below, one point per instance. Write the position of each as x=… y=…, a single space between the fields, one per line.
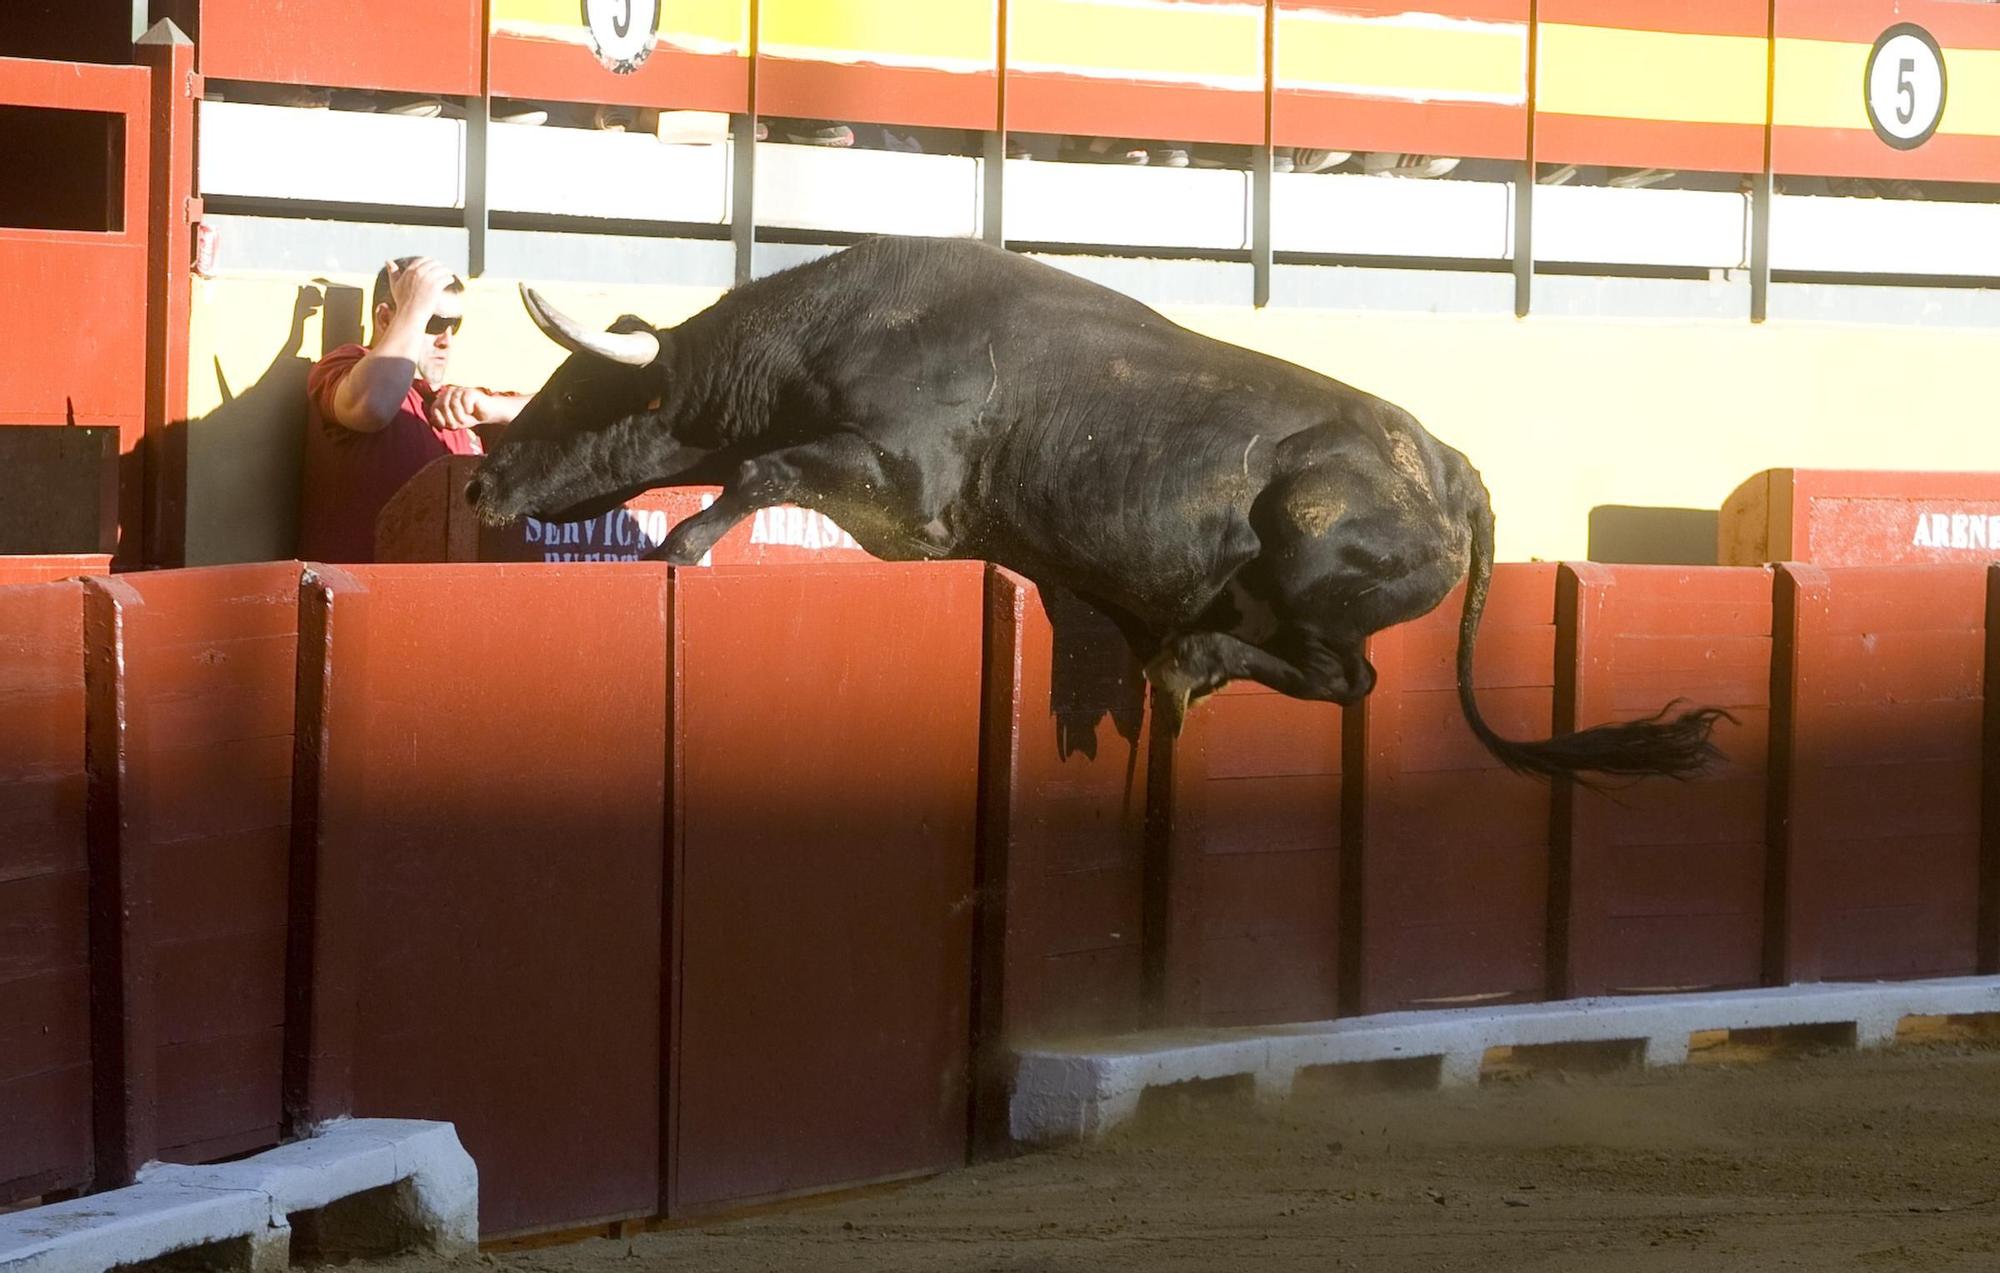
x=683 y=890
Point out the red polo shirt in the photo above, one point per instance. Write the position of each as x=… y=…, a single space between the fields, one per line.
x=349 y=476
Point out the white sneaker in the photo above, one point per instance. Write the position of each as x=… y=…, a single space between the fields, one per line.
x=1640 y=178
x=1382 y=163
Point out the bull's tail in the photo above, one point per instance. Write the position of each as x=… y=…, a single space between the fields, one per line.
x=1677 y=748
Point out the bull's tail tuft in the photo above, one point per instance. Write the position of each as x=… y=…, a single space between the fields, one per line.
x=1677 y=747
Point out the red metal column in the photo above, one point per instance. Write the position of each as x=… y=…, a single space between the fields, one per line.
x=170 y=213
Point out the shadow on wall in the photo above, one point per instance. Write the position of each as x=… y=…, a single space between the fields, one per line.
x=1635 y=535
x=244 y=456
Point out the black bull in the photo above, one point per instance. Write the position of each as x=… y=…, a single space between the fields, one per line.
x=1236 y=515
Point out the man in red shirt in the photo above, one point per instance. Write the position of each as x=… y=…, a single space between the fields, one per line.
x=378 y=413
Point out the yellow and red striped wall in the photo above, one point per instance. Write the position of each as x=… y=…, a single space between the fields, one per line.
x=1619 y=82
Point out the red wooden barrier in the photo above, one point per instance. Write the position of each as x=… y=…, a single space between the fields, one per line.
x=193 y=671
x=1252 y=860
x=482 y=810
x=1846 y=517
x=826 y=731
x=1445 y=870
x=1877 y=759
x=47 y=568
x=1063 y=848
x=1660 y=885
x=1062 y=856
x=45 y=1064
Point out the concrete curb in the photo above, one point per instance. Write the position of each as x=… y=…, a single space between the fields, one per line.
x=248 y=1204
x=1075 y=1093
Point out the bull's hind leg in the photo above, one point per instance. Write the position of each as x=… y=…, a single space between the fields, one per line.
x=1196 y=664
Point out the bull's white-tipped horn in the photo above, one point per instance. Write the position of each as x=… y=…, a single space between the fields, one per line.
x=634 y=349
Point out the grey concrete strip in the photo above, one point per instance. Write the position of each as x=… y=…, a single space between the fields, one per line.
x=174 y=1207
x=1070 y=1093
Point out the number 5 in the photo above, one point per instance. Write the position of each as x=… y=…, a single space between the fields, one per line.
x=1906 y=92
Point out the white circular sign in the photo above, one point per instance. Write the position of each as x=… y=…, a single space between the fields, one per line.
x=1905 y=86
x=621 y=31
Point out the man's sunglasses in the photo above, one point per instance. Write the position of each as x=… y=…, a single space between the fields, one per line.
x=439 y=324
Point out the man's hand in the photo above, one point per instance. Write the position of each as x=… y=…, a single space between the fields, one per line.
x=415 y=288
x=463 y=407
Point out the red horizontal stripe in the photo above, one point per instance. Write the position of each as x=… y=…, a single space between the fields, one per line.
x=1852 y=152
x=1335 y=122
x=877 y=94
x=1955 y=24
x=1649 y=143
x=1155 y=112
x=435 y=47
x=1482 y=10
x=1692 y=17
x=553 y=70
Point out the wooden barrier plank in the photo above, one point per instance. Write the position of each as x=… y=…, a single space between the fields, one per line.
x=206 y=679
x=1446 y=868
x=1063 y=777
x=1249 y=850
x=1878 y=762
x=477 y=932
x=1660 y=885
x=45 y=1022
x=828 y=742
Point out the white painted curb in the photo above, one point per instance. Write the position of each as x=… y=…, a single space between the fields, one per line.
x=174 y=1207
x=1067 y=1094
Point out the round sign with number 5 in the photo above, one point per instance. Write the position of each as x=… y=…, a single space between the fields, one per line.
x=622 y=31
x=1904 y=86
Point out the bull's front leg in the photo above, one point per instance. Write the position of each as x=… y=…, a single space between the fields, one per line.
x=795 y=475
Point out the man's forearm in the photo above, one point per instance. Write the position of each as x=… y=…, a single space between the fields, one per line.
x=374 y=390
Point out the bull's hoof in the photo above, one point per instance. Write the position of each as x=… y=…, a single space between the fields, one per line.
x=1177 y=690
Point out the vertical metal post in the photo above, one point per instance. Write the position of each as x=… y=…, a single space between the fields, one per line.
x=993 y=176
x=1261 y=254
x=1524 y=186
x=1764 y=187
x=478 y=122
x=743 y=170
x=1761 y=187
x=992 y=191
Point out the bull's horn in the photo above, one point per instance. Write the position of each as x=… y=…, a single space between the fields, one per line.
x=634 y=349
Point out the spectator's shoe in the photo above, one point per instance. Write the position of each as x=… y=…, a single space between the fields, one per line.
x=1110 y=150
x=425 y=108
x=1382 y=163
x=1309 y=160
x=508 y=111
x=826 y=135
x=1900 y=188
x=361 y=100
x=1557 y=176
x=1640 y=178
x=1852 y=188
x=614 y=119
x=1167 y=157
x=1283 y=161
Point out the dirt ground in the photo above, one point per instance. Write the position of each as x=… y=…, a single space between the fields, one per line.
x=1887 y=1160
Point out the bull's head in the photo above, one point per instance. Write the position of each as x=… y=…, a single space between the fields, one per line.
x=591 y=437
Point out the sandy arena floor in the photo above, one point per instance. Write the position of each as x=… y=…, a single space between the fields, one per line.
x=1874 y=1161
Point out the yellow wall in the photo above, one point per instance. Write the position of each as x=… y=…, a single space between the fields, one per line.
x=1560 y=415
